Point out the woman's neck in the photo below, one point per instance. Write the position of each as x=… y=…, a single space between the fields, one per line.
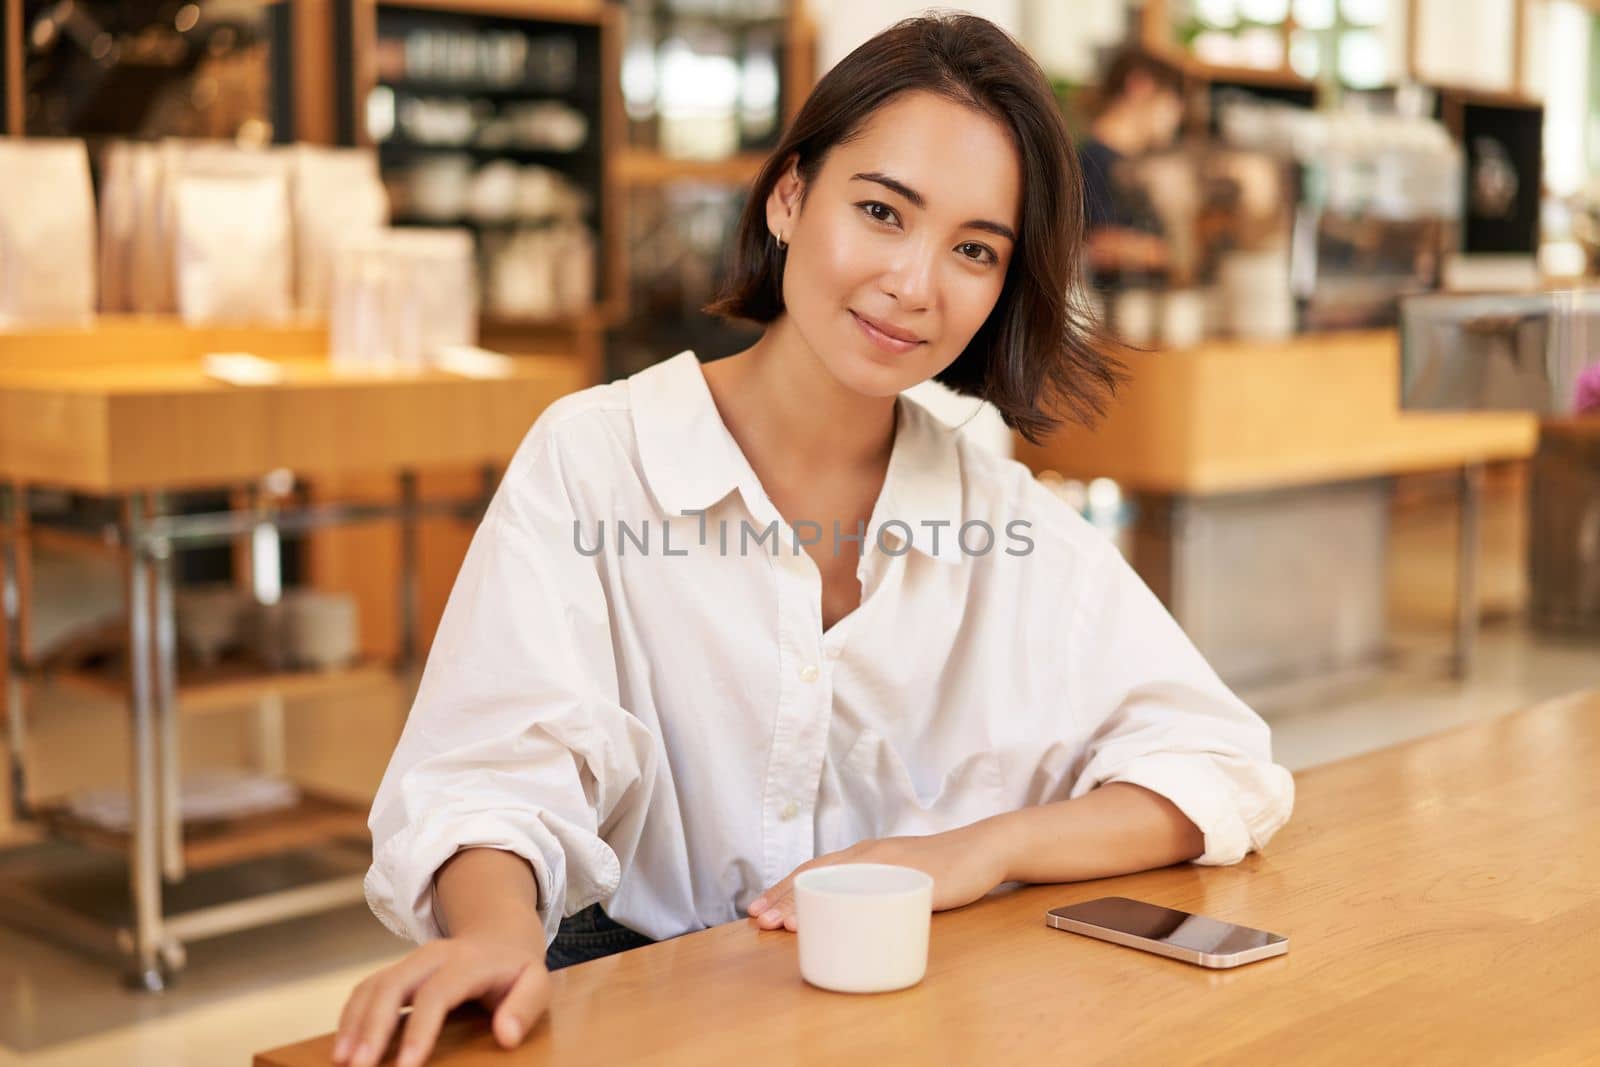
x=790 y=416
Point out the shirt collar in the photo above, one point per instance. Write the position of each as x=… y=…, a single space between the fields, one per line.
x=686 y=450
x=924 y=482
x=691 y=461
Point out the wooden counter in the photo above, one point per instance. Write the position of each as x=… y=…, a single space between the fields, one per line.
x=112 y=429
x=1230 y=416
x=139 y=339
x=1439 y=900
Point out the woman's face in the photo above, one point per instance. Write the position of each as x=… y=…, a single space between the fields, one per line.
x=901 y=248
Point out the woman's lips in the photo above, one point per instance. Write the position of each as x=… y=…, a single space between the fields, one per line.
x=883 y=340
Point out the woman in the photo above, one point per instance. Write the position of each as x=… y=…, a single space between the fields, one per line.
x=722 y=624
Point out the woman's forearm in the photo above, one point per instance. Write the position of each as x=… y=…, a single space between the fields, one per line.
x=1116 y=829
x=488 y=890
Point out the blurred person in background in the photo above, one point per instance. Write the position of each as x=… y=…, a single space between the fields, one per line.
x=1140 y=107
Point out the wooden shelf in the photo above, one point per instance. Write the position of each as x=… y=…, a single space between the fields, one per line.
x=415 y=85
x=642 y=167
x=1573 y=429
x=315 y=820
x=397 y=149
x=1465 y=94
x=102 y=543
x=578 y=11
x=1265 y=77
x=230 y=685
x=585 y=320
x=465 y=222
x=1156 y=35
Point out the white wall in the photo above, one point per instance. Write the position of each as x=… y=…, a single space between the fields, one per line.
x=1063 y=35
x=1066 y=36
x=1466 y=43
x=1564 y=74
x=1461 y=42
x=844 y=24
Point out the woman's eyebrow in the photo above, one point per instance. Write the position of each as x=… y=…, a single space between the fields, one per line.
x=917 y=200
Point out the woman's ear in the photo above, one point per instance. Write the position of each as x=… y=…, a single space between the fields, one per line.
x=783 y=203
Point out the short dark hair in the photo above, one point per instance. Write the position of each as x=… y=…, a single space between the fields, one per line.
x=1040 y=350
x=1126 y=63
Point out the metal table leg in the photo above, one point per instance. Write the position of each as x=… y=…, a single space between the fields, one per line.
x=144 y=865
x=266 y=588
x=154 y=939
x=13 y=501
x=1468 y=547
x=408 y=570
x=169 y=755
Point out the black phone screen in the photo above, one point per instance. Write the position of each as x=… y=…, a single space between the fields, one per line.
x=1178 y=928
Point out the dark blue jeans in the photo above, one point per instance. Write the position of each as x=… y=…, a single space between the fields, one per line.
x=589 y=935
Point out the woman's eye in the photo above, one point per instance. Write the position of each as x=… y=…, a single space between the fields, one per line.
x=873 y=207
x=978 y=253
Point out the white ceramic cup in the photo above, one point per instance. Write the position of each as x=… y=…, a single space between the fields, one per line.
x=1133 y=314
x=1183 y=318
x=863 y=927
x=320 y=629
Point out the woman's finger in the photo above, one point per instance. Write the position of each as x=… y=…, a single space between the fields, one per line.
x=355 y=1009
x=778 y=909
x=760 y=905
x=524 y=1002
x=768 y=895
x=382 y=1010
x=771 y=914
x=432 y=1001
x=769 y=908
x=769 y=900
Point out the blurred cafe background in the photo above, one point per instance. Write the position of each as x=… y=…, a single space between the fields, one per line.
x=282 y=284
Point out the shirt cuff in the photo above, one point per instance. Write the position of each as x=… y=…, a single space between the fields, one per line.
x=1234 y=821
x=399 y=885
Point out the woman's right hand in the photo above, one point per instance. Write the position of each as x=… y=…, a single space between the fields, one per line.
x=509 y=978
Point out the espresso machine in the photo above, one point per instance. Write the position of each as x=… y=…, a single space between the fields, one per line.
x=1294 y=220
x=1373 y=206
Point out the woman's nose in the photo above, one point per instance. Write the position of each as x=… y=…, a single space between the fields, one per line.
x=910 y=279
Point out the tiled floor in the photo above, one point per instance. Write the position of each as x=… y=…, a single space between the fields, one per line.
x=255 y=990
x=1416 y=696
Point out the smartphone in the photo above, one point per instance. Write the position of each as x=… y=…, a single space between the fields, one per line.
x=1168 y=932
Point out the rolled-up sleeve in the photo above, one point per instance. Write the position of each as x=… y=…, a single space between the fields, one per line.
x=516 y=739
x=1156 y=715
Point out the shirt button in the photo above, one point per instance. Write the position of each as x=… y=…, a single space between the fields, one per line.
x=790 y=810
x=808 y=673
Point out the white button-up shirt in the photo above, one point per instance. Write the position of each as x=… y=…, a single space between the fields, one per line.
x=652 y=716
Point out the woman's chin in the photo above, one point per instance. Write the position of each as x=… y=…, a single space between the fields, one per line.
x=873 y=373
x=871 y=379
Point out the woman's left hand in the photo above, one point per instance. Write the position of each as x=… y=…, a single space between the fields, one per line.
x=965 y=864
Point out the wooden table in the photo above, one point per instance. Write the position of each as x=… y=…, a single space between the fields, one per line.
x=163 y=426
x=1439 y=897
x=91 y=411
